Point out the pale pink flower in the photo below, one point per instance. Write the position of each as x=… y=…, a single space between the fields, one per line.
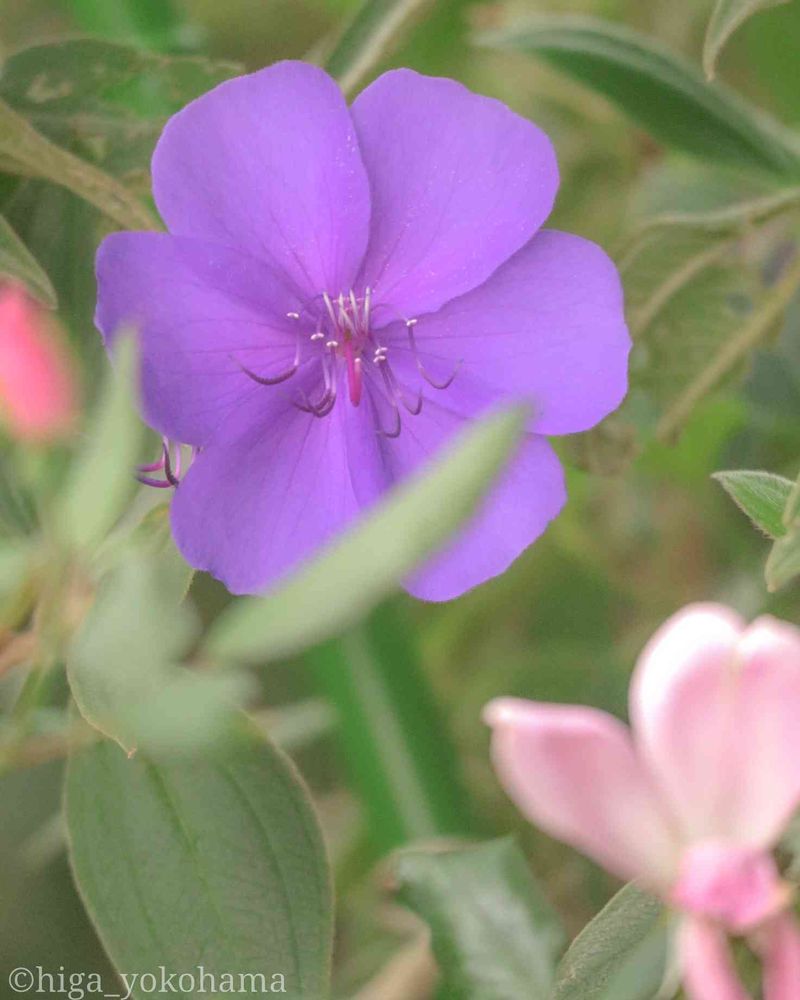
x=691 y=800
x=38 y=399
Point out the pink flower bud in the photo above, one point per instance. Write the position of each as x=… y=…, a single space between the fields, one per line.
x=38 y=397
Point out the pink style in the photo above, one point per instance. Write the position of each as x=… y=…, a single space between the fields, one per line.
x=693 y=798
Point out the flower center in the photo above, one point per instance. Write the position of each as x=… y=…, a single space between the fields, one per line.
x=337 y=331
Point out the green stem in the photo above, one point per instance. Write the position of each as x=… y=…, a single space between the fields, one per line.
x=393 y=738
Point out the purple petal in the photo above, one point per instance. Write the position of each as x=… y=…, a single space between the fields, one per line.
x=548 y=326
x=459 y=183
x=528 y=496
x=270 y=163
x=265 y=495
x=201 y=311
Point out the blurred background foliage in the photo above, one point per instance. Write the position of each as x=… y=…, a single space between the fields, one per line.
x=646 y=529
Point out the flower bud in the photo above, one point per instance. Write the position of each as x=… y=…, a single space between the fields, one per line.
x=38 y=396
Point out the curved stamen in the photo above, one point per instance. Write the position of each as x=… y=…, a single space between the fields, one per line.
x=395 y=389
x=323 y=406
x=276 y=379
x=410 y=324
x=173 y=474
x=159 y=484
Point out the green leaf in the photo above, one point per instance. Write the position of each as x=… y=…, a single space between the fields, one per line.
x=494 y=935
x=760 y=495
x=25 y=151
x=686 y=291
x=19 y=264
x=394 y=740
x=720 y=364
x=783 y=563
x=102 y=477
x=736 y=217
x=658 y=89
x=375 y=28
x=727 y=17
x=215 y=861
x=104 y=102
x=620 y=955
x=122 y=664
x=364 y=565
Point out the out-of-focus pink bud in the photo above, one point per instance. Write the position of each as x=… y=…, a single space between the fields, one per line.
x=38 y=397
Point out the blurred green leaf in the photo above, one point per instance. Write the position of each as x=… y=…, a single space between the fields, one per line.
x=760 y=495
x=394 y=739
x=104 y=102
x=153 y=23
x=101 y=479
x=119 y=658
x=494 y=935
x=19 y=264
x=27 y=152
x=658 y=89
x=373 y=31
x=365 y=565
x=620 y=955
x=122 y=663
x=728 y=15
x=215 y=861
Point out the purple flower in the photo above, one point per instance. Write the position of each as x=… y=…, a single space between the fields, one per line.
x=340 y=289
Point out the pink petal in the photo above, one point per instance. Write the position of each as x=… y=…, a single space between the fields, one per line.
x=715 y=709
x=270 y=163
x=738 y=887
x=573 y=771
x=707 y=963
x=459 y=183
x=781 y=957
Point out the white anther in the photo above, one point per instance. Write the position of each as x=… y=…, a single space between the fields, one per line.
x=319 y=335
x=411 y=322
x=332 y=344
x=293 y=315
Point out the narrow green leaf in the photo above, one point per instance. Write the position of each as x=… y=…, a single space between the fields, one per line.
x=104 y=102
x=394 y=741
x=102 y=477
x=365 y=565
x=658 y=89
x=732 y=218
x=760 y=495
x=212 y=864
x=493 y=932
x=620 y=955
x=375 y=28
x=19 y=264
x=727 y=17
